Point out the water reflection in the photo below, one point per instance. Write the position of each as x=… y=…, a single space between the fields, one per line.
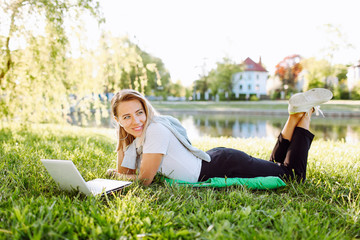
x=246 y=126
x=241 y=126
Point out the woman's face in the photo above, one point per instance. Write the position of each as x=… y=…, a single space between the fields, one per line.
x=132 y=117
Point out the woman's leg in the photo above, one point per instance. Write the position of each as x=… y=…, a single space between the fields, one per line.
x=227 y=162
x=297 y=154
x=293 y=144
x=305 y=120
x=280 y=149
x=231 y=163
x=291 y=123
x=291 y=155
x=301 y=106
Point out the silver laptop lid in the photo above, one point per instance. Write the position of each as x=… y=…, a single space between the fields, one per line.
x=65 y=173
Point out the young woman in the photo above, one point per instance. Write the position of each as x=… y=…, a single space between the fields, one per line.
x=152 y=143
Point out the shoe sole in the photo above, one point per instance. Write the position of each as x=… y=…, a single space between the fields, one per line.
x=309 y=99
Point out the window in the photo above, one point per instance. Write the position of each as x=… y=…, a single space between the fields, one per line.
x=241 y=87
x=249 y=86
x=257 y=87
x=257 y=76
x=240 y=76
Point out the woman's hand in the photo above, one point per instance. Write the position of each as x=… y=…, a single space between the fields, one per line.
x=112 y=173
x=115 y=173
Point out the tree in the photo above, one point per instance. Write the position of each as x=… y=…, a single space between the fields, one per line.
x=225 y=71
x=54 y=12
x=316 y=72
x=201 y=85
x=288 y=70
x=214 y=83
x=116 y=64
x=122 y=64
x=177 y=89
x=36 y=71
x=158 y=77
x=320 y=73
x=222 y=76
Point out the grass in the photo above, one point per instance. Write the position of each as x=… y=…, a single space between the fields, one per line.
x=326 y=206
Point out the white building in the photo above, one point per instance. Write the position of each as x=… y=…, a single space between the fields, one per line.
x=251 y=81
x=353 y=76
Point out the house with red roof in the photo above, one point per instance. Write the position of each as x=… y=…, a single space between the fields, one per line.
x=252 y=81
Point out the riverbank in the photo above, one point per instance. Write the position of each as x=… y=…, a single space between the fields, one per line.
x=334 y=108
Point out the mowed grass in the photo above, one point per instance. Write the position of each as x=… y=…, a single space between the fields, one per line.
x=326 y=206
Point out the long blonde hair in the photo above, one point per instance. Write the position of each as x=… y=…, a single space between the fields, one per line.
x=125 y=139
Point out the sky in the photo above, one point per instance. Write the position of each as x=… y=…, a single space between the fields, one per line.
x=190 y=36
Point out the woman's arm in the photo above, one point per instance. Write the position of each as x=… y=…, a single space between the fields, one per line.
x=120 y=169
x=150 y=163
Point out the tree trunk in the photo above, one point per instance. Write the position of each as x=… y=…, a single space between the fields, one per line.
x=8 y=61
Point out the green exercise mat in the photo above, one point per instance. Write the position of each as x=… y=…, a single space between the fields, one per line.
x=252 y=183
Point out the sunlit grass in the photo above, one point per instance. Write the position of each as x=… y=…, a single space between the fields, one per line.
x=33 y=207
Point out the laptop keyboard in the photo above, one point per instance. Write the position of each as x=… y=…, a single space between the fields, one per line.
x=100 y=185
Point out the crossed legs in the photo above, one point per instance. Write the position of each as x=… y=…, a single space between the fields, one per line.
x=292 y=147
x=296 y=120
x=290 y=154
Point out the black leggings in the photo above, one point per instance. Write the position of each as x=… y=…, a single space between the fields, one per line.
x=288 y=160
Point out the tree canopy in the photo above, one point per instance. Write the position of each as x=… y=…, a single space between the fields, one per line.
x=288 y=70
x=42 y=80
x=219 y=78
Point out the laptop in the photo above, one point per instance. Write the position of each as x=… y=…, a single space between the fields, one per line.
x=65 y=173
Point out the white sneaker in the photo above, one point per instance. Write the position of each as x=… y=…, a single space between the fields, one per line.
x=304 y=102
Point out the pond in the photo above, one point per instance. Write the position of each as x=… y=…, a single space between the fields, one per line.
x=242 y=126
x=247 y=126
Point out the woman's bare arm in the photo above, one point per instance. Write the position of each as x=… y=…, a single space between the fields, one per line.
x=150 y=163
x=120 y=169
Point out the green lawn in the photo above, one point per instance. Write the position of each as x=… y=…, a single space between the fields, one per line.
x=327 y=206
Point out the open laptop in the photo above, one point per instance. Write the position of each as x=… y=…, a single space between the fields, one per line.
x=65 y=173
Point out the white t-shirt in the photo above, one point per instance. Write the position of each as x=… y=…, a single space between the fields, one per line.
x=178 y=162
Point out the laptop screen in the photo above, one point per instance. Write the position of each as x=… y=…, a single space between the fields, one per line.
x=65 y=173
